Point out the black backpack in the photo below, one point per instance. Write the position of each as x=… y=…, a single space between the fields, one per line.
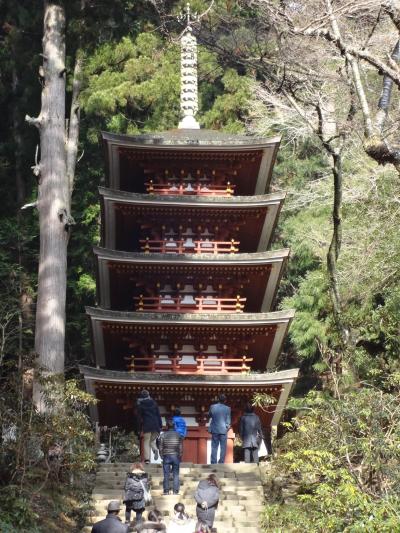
x=134 y=489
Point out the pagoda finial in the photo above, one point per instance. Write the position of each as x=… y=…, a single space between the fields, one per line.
x=189 y=95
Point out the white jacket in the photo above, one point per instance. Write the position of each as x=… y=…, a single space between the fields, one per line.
x=187 y=525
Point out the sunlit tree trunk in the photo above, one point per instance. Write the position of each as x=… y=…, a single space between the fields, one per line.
x=53 y=199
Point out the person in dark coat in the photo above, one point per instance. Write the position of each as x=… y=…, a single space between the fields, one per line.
x=153 y=524
x=220 y=415
x=250 y=431
x=112 y=523
x=151 y=424
x=137 y=481
x=207 y=498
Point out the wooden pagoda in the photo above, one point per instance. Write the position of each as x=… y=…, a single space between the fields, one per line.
x=185 y=283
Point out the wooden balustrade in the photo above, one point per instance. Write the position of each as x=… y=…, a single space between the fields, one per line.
x=202 y=365
x=190 y=189
x=195 y=247
x=201 y=304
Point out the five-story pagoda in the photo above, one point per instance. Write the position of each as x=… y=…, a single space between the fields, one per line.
x=185 y=284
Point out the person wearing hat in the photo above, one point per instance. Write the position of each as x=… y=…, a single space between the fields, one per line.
x=220 y=422
x=151 y=424
x=111 y=523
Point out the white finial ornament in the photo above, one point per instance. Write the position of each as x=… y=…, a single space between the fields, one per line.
x=189 y=95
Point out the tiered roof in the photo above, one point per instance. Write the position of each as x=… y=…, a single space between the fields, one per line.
x=204 y=179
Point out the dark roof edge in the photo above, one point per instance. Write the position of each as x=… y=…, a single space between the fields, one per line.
x=271 y=378
x=231 y=201
x=245 y=259
x=245 y=319
x=184 y=140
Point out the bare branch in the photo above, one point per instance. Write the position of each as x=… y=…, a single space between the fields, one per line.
x=34 y=121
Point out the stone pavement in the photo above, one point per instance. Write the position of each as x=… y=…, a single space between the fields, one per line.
x=241 y=499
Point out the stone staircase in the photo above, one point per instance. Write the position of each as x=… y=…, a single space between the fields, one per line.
x=241 y=496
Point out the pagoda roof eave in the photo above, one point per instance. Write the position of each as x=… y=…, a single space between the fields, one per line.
x=109 y=261
x=284 y=379
x=279 y=321
x=269 y=206
x=254 y=258
x=212 y=319
x=265 y=378
x=258 y=200
x=189 y=139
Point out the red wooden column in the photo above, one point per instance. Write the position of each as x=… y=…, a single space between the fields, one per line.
x=229 y=447
x=203 y=437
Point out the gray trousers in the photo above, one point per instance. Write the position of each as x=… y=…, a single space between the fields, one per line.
x=251 y=455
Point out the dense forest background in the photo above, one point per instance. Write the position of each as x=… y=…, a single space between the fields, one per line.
x=325 y=76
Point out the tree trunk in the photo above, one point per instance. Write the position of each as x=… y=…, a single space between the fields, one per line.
x=74 y=122
x=334 y=249
x=53 y=199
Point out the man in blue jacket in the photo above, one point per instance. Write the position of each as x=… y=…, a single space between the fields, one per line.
x=220 y=422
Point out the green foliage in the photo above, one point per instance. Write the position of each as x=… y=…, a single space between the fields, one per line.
x=17 y=513
x=231 y=107
x=310 y=327
x=125 y=446
x=263 y=400
x=134 y=87
x=42 y=451
x=343 y=453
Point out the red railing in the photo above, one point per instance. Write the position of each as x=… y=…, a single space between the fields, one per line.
x=177 y=304
x=190 y=189
x=222 y=365
x=194 y=247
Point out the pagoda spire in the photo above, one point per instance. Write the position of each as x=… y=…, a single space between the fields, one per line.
x=189 y=94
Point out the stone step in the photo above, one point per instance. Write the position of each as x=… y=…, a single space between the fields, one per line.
x=225 y=466
x=183 y=471
x=101 y=493
x=250 y=481
x=220 y=529
x=220 y=522
x=241 y=498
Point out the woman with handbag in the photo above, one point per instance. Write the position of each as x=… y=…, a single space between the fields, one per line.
x=137 y=492
x=250 y=431
x=207 y=498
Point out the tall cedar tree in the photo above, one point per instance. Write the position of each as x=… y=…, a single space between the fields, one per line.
x=58 y=149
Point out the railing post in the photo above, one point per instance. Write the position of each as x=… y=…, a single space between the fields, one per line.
x=238 y=304
x=200 y=365
x=150 y=188
x=147 y=246
x=140 y=302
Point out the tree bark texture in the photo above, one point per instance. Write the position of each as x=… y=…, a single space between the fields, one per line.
x=74 y=122
x=336 y=241
x=53 y=197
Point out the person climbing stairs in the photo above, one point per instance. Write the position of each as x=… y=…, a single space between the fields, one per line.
x=241 y=496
